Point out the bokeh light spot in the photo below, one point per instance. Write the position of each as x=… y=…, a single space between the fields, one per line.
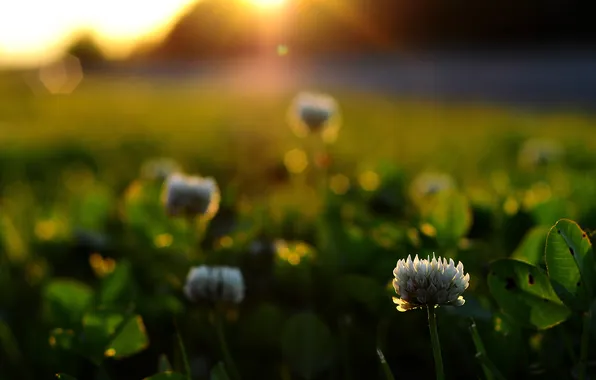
x=296 y=161
x=511 y=206
x=369 y=180
x=62 y=77
x=339 y=184
x=163 y=240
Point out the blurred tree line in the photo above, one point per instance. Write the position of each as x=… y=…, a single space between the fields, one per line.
x=228 y=28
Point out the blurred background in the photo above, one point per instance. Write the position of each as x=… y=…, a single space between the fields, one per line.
x=492 y=98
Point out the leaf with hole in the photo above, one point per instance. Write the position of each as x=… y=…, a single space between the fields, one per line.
x=525 y=294
x=570 y=264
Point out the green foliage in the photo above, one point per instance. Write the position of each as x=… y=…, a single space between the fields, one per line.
x=570 y=264
x=67 y=301
x=307 y=345
x=524 y=293
x=531 y=249
x=92 y=270
x=449 y=213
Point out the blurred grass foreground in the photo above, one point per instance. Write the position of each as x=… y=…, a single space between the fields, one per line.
x=93 y=268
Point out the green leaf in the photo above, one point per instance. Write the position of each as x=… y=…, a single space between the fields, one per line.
x=451 y=216
x=67 y=301
x=219 y=372
x=525 y=294
x=98 y=329
x=570 y=264
x=167 y=376
x=112 y=334
x=63 y=376
x=307 y=344
x=163 y=364
x=116 y=289
x=548 y=212
x=531 y=249
x=131 y=339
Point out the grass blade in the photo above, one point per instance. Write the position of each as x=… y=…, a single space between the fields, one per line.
x=490 y=370
x=384 y=365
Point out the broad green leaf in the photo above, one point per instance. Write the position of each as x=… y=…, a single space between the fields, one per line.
x=450 y=215
x=167 y=376
x=112 y=334
x=116 y=289
x=63 y=376
x=570 y=264
x=99 y=327
x=219 y=372
x=130 y=340
x=67 y=301
x=531 y=249
x=307 y=344
x=525 y=294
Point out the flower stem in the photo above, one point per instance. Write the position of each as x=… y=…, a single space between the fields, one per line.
x=434 y=338
x=183 y=352
x=583 y=356
x=231 y=367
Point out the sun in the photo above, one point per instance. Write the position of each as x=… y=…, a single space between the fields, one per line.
x=267 y=4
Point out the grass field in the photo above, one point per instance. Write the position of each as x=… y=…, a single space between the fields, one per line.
x=92 y=269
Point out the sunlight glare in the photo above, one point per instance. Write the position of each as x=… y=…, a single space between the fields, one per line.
x=267 y=4
x=38 y=30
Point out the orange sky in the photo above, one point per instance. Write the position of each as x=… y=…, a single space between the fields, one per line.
x=34 y=31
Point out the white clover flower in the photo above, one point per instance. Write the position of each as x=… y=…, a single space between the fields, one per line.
x=159 y=168
x=429 y=283
x=429 y=183
x=191 y=196
x=213 y=284
x=537 y=152
x=315 y=113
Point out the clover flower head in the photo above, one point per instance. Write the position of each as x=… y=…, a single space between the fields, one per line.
x=191 y=196
x=429 y=183
x=538 y=152
x=315 y=113
x=215 y=284
x=429 y=283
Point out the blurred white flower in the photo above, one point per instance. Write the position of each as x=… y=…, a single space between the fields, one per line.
x=429 y=283
x=191 y=196
x=315 y=113
x=430 y=183
x=159 y=168
x=213 y=284
x=538 y=152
